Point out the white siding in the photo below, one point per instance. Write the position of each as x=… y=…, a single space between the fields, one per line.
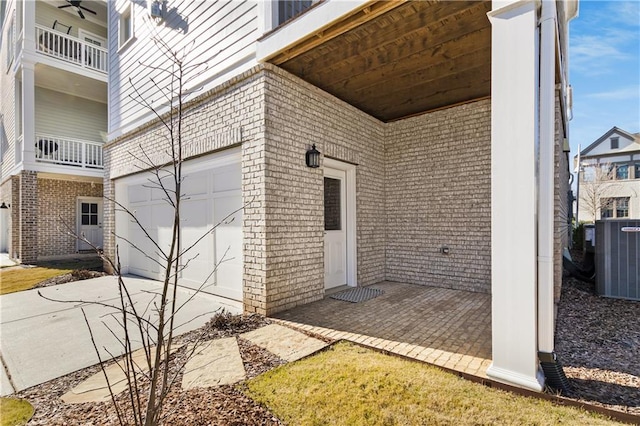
x=221 y=34
x=7 y=104
x=63 y=115
x=47 y=14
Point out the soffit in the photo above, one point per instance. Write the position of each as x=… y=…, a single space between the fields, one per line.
x=417 y=57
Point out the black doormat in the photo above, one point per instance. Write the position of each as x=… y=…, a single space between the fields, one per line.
x=358 y=294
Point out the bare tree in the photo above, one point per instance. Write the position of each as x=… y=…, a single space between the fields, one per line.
x=597 y=187
x=154 y=324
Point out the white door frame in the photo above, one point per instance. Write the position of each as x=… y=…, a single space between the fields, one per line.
x=79 y=201
x=350 y=185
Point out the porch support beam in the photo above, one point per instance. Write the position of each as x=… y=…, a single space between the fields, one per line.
x=514 y=146
x=28 y=114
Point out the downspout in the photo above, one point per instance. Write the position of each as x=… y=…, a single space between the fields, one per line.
x=546 y=324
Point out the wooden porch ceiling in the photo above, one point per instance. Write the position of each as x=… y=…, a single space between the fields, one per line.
x=415 y=57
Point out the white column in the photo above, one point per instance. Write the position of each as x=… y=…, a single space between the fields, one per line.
x=28 y=114
x=29 y=25
x=514 y=145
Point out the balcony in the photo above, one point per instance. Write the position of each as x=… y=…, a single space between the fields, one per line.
x=68 y=152
x=71 y=49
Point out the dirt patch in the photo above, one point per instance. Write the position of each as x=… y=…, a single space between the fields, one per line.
x=77 y=275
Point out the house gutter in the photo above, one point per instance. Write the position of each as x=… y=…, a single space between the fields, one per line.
x=546 y=196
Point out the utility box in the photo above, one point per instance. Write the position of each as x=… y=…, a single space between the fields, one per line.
x=618 y=258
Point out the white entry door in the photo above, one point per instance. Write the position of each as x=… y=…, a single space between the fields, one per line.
x=90 y=222
x=335 y=228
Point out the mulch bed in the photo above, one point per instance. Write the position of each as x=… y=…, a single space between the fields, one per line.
x=77 y=275
x=598 y=343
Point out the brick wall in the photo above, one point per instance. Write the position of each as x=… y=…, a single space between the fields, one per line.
x=57 y=208
x=28 y=224
x=438 y=186
x=297 y=116
x=15 y=216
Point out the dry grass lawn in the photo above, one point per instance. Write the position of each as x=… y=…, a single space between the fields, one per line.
x=350 y=385
x=25 y=278
x=14 y=412
x=19 y=279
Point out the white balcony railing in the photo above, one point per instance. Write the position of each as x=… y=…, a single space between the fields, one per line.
x=71 y=49
x=68 y=152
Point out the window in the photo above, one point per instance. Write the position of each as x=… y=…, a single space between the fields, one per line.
x=125 y=25
x=89 y=214
x=11 y=41
x=332 y=208
x=615 y=143
x=622 y=207
x=636 y=170
x=611 y=208
x=288 y=9
x=622 y=171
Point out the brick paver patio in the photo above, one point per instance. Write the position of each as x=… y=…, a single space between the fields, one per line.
x=449 y=328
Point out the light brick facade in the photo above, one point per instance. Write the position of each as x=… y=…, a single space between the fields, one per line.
x=57 y=209
x=421 y=183
x=438 y=182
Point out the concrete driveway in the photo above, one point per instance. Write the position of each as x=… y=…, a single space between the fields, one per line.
x=41 y=339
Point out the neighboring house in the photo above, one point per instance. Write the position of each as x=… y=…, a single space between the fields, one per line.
x=431 y=119
x=53 y=122
x=609 y=177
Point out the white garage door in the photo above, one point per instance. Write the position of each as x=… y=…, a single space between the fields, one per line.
x=211 y=198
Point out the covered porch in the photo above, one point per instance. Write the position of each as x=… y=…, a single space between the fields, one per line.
x=448 y=328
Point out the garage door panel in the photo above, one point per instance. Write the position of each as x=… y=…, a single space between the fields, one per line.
x=196 y=225
x=137 y=194
x=195 y=184
x=227 y=178
x=162 y=221
x=228 y=243
x=143 y=247
x=210 y=193
x=158 y=189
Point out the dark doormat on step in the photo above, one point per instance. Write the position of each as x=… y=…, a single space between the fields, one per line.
x=358 y=294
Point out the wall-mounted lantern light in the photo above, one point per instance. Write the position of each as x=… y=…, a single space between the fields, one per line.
x=4 y=206
x=313 y=157
x=156 y=10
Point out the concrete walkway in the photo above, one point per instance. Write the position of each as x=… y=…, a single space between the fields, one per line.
x=41 y=339
x=5 y=261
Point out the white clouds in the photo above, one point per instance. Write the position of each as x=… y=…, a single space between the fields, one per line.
x=625 y=12
x=618 y=94
x=609 y=35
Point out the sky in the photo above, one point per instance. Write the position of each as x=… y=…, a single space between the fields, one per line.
x=604 y=69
